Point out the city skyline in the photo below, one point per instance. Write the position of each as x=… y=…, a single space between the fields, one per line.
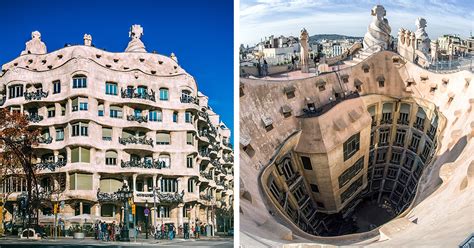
x=277 y=17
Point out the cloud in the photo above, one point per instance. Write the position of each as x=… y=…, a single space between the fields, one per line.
x=260 y=18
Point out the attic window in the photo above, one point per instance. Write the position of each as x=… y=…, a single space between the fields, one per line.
x=357 y=84
x=289 y=91
x=381 y=80
x=345 y=78
x=153 y=72
x=30 y=61
x=267 y=123
x=286 y=111
x=160 y=62
x=126 y=68
x=445 y=81
x=98 y=56
x=175 y=67
x=60 y=56
x=366 y=68
x=116 y=60
x=241 y=89
x=245 y=142
x=321 y=84
x=15 y=64
x=310 y=104
x=142 y=59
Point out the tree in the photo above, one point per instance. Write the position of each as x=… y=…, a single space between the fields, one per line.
x=16 y=154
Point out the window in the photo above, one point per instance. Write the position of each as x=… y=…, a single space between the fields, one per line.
x=420 y=119
x=400 y=137
x=189 y=161
x=107 y=210
x=115 y=112
x=86 y=208
x=100 y=110
x=351 y=190
x=306 y=163
x=80 y=155
x=392 y=172
x=15 y=91
x=384 y=135
x=188 y=117
x=191 y=183
x=141 y=91
x=314 y=188
x=189 y=138
x=107 y=133
x=80 y=129
x=381 y=155
x=56 y=87
x=79 y=103
x=287 y=169
x=351 y=146
x=83 y=106
x=79 y=81
x=163 y=138
x=51 y=111
x=275 y=190
x=409 y=161
x=396 y=156
x=155 y=115
x=300 y=193
x=387 y=113
x=426 y=152
x=415 y=142
x=63 y=109
x=378 y=172
x=164 y=212
x=111 y=157
x=175 y=116
x=371 y=111
x=111 y=88
x=164 y=94
x=164 y=161
x=59 y=134
x=169 y=185
x=404 y=114
x=351 y=172
x=80 y=181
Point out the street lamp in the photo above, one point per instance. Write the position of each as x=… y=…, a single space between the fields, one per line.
x=124 y=194
x=146 y=219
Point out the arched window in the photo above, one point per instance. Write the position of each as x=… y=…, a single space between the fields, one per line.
x=111 y=157
x=79 y=81
x=164 y=94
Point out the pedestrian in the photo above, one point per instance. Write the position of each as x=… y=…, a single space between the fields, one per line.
x=162 y=231
x=112 y=236
x=96 y=230
x=198 y=231
x=193 y=231
x=171 y=228
x=104 y=231
x=293 y=62
x=99 y=230
x=259 y=69
x=186 y=231
x=265 y=68
x=117 y=232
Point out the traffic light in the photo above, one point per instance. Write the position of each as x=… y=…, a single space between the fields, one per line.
x=134 y=209
x=56 y=208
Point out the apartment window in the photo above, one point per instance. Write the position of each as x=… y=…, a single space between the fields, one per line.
x=189 y=161
x=392 y=172
x=169 y=185
x=164 y=212
x=63 y=109
x=189 y=138
x=300 y=193
x=372 y=111
x=79 y=81
x=387 y=113
x=433 y=128
x=115 y=112
x=384 y=136
x=403 y=177
x=306 y=163
x=80 y=155
x=372 y=139
x=275 y=190
x=400 y=137
x=175 y=117
x=350 y=191
x=164 y=94
x=420 y=119
x=15 y=91
x=83 y=106
x=155 y=115
x=106 y=133
x=378 y=172
x=426 y=152
x=51 y=111
x=287 y=169
x=404 y=114
x=351 y=172
x=100 y=110
x=396 y=156
x=164 y=161
x=111 y=157
x=79 y=103
x=381 y=155
x=191 y=183
x=415 y=142
x=188 y=117
x=111 y=88
x=80 y=129
x=107 y=210
x=409 y=161
x=59 y=134
x=79 y=181
x=351 y=146
x=314 y=188
x=56 y=87
x=163 y=138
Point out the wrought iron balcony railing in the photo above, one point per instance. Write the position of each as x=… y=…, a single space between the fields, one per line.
x=52 y=166
x=170 y=197
x=189 y=99
x=138 y=118
x=206 y=175
x=203 y=115
x=135 y=140
x=228 y=159
x=204 y=153
x=148 y=164
x=106 y=197
x=228 y=144
x=205 y=197
x=35 y=118
x=43 y=140
x=36 y=95
x=127 y=93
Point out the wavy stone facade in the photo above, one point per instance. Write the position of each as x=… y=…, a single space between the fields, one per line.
x=108 y=118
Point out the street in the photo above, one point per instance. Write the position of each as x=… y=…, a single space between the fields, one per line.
x=69 y=242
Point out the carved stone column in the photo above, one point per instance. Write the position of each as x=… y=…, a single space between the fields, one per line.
x=180 y=214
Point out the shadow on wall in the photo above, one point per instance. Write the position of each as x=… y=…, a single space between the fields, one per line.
x=432 y=181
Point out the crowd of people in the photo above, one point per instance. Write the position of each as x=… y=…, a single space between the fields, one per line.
x=107 y=231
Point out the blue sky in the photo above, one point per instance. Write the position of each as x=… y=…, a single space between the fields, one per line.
x=200 y=33
x=260 y=18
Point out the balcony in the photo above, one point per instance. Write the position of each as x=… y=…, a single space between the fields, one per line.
x=203 y=115
x=206 y=175
x=189 y=99
x=37 y=95
x=228 y=159
x=204 y=153
x=35 y=118
x=43 y=140
x=217 y=165
x=206 y=197
x=171 y=197
x=138 y=118
x=106 y=197
x=131 y=93
x=135 y=140
x=227 y=144
x=43 y=165
x=148 y=164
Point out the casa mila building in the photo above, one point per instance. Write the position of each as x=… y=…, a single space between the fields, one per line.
x=112 y=119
